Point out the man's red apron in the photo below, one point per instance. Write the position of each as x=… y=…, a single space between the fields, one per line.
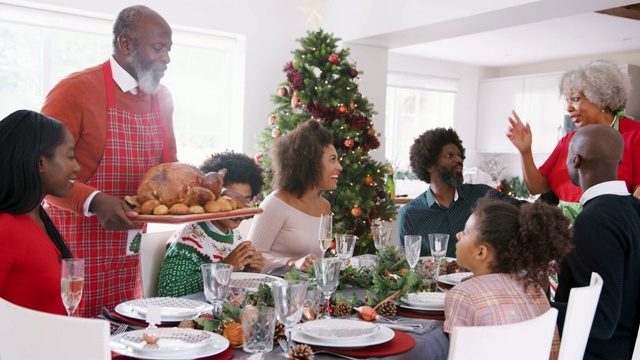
x=134 y=144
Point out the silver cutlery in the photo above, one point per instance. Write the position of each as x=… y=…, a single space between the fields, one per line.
x=122 y=328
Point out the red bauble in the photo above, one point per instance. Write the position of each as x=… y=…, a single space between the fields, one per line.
x=353 y=73
x=368 y=180
x=342 y=109
x=272 y=119
x=356 y=211
x=283 y=91
x=349 y=143
x=295 y=101
x=334 y=59
x=382 y=194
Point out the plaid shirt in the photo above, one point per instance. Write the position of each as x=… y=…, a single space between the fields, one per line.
x=494 y=299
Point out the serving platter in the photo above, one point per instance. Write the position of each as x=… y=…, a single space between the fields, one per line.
x=191 y=218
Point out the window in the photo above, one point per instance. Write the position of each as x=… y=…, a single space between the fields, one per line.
x=415 y=103
x=205 y=76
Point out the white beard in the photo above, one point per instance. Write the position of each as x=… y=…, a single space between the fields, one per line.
x=146 y=81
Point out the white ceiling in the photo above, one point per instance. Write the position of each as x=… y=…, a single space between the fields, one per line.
x=518 y=33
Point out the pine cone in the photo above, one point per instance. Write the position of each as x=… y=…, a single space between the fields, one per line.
x=278 y=332
x=301 y=352
x=223 y=324
x=388 y=309
x=342 y=309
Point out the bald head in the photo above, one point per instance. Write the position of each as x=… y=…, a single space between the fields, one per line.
x=594 y=155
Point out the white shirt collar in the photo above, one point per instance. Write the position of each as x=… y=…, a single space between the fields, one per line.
x=125 y=81
x=455 y=197
x=616 y=187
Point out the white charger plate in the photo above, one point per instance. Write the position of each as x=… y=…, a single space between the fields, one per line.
x=217 y=345
x=380 y=337
x=339 y=329
x=251 y=281
x=455 y=278
x=173 y=309
x=171 y=340
x=431 y=301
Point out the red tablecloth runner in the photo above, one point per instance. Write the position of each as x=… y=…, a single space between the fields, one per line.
x=225 y=355
x=400 y=343
x=420 y=315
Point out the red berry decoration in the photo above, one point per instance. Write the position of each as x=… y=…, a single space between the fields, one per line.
x=283 y=91
x=333 y=58
x=356 y=211
x=272 y=119
x=349 y=143
x=353 y=73
x=342 y=109
x=368 y=180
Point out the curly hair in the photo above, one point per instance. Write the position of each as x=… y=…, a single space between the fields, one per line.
x=297 y=157
x=525 y=240
x=241 y=169
x=601 y=81
x=426 y=148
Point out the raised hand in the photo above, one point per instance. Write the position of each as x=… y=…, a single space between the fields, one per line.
x=519 y=133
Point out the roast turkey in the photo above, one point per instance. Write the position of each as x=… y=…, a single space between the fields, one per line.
x=179 y=183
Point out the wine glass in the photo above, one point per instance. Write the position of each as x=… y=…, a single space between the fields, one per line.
x=215 y=280
x=344 y=247
x=438 y=244
x=288 y=299
x=412 y=246
x=72 y=283
x=327 y=273
x=381 y=232
x=325 y=232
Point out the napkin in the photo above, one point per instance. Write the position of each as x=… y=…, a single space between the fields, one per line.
x=409 y=325
x=225 y=355
x=400 y=343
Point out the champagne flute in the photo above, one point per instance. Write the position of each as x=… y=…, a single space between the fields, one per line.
x=327 y=275
x=288 y=299
x=412 y=246
x=381 y=232
x=438 y=244
x=72 y=283
x=325 y=232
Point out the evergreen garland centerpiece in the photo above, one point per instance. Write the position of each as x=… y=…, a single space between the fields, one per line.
x=322 y=84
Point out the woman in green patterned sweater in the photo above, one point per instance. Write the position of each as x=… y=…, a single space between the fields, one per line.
x=212 y=241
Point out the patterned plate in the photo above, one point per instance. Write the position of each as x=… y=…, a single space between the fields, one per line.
x=171 y=308
x=425 y=300
x=455 y=278
x=171 y=340
x=251 y=281
x=339 y=329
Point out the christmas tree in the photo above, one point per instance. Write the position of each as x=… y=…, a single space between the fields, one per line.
x=323 y=85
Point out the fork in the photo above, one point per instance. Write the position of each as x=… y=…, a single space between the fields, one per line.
x=283 y=344
x=122 y=328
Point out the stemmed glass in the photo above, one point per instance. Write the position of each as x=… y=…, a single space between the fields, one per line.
x=381 y=232
x=215 y=280
x=72 y=283
x=327 y=275
x=438 y=244
x=288 y=298
x=412 y=246
x=344 y=247
x=325 y=232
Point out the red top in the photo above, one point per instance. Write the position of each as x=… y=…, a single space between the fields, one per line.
x=29 y=265
x=555 y=168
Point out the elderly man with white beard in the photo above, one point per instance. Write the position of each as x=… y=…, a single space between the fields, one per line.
x=121 y=119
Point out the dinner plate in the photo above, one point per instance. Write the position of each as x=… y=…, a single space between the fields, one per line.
x=171 y=340
x=454 y=279
x=216 y=345
x=431 y=301
x=172 y=309
x=339 y=329
x=381 y=336
x=251 y=281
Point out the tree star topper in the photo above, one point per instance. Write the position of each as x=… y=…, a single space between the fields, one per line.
x=314 y=10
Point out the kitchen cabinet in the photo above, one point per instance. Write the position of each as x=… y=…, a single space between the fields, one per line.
x=536 y=100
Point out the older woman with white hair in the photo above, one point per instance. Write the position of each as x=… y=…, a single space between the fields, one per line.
x=596 y=93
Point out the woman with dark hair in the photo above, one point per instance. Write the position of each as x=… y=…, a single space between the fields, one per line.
x=305 y=163
x=508 y=249
x=37 y=160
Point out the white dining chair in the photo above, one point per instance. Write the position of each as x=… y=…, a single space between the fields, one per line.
x=153 y=246
x=581 y=309
x=529 y=340
x=636 y=349
x=27 y=334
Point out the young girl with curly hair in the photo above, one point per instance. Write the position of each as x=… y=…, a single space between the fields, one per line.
x=508 y=249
